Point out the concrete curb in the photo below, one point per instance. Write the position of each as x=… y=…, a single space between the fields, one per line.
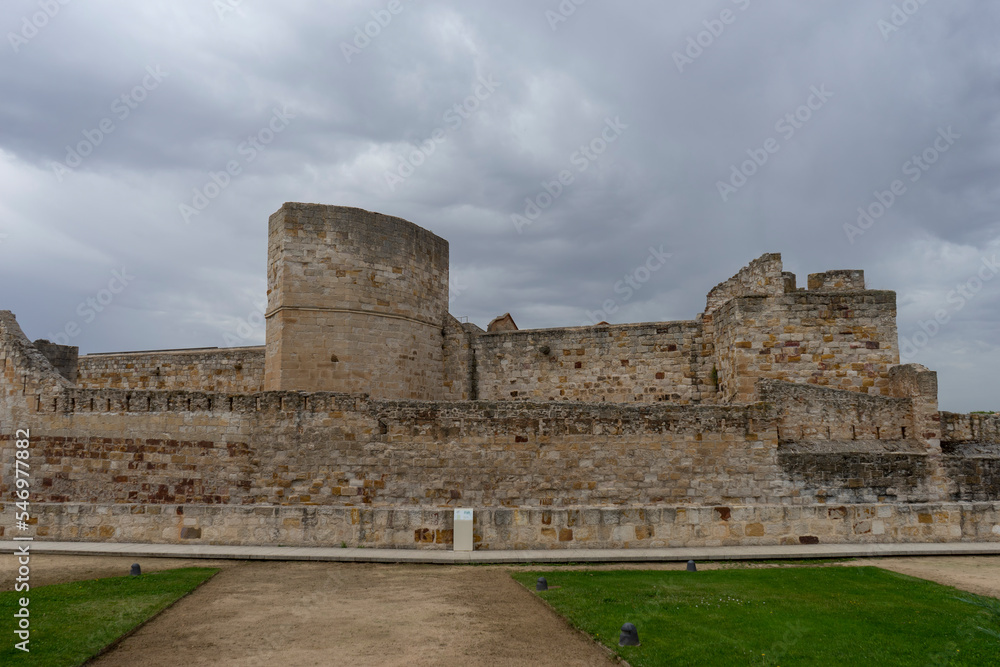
x=351 y=555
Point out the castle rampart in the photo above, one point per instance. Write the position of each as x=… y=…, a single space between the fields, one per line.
x=778 y=416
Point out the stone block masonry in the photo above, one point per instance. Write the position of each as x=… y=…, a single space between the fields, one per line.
x=646 y=363
x=238 y=369
x=779 y=415
x=357 y=301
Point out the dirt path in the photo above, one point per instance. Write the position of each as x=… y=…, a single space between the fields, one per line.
x=356 y=614
x=56 y=569
x=976 y=574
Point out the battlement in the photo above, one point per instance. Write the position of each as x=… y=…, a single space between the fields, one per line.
x=357 y=303
x=779 y=415
x=837 y=281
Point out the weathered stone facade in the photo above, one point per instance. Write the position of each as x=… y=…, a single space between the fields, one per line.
x=356 y=302
x=237 y=369
x=778 y=416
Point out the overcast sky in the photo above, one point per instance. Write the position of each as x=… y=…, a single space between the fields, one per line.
x=119 y=120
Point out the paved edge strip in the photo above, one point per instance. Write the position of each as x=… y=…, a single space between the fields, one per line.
x=441 y=557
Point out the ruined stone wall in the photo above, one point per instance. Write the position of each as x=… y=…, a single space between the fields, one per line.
x=320 y=468
x=460 y=379
x=761 y=277
x=278 y=447
x=27 y=373
x=64 y=358
x=971 y=448
x=757 y=324
x=239 y=369
x=603 y=436
x=285 y=447
x=848 y=447
x=644 y=363
x=845 y=340
x=357 y=302
x=970 y=429
x=844 y=280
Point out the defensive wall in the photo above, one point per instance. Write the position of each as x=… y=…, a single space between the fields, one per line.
x=780 y=415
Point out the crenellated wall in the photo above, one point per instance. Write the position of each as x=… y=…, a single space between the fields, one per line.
x=780 y=415
x=250 y=454
x=757 y=324
x=806 y=464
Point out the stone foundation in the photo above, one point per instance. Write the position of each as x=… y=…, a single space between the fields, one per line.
x=520 y=528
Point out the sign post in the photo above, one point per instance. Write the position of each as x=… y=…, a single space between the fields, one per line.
x=463 y=530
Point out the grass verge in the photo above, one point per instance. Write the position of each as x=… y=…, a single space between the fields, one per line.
x=73 y=622
x=780 y=616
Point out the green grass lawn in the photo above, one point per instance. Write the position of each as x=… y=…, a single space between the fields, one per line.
x=70 y=623
x=782 y=616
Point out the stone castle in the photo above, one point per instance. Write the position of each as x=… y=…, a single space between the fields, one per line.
x=780 y=415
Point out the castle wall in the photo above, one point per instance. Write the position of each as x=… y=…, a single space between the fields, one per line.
x=848 y=447
x=845 y=340
x=357 y=302
x=236 y=370
x=64 y=358
x=644 y=363
x=277 y=447
x=779 y=416
x=322 y=468
x=976 y=429
x=757 y=324
x=761 y=277
x=971 y=454
x=460 y=372
x=285 y=447
x=26 y=372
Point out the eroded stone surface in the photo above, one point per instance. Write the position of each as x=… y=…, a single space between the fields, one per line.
x=780 y=415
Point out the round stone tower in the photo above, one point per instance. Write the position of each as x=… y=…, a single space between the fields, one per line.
x=356 y=302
